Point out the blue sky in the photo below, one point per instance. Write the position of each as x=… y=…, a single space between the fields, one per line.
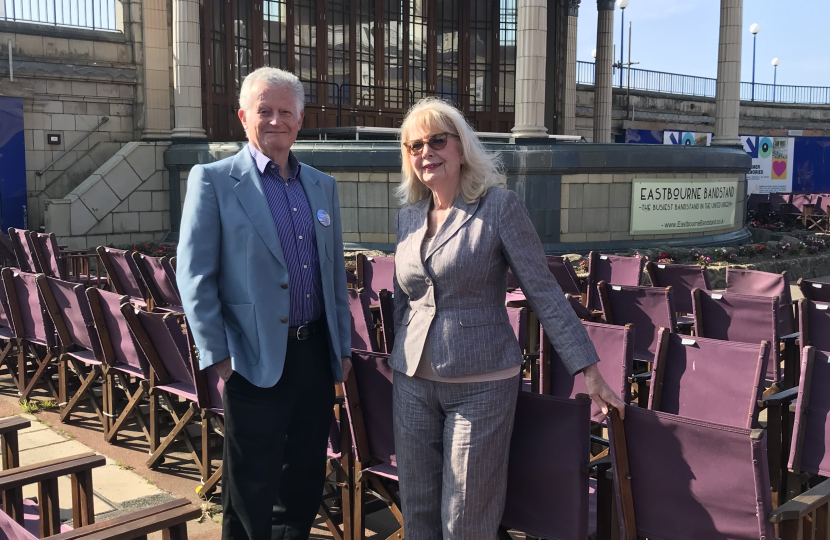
x=681 y=36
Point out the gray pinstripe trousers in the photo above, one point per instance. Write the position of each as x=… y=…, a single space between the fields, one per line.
x=452 y=442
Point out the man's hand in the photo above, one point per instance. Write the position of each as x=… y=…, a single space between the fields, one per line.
x=600 y=392
x=224 y=369
x=347 y=367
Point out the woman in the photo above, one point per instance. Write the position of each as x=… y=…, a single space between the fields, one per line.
x=456 y=357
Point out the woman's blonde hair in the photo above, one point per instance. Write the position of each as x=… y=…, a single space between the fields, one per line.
x=481 y=169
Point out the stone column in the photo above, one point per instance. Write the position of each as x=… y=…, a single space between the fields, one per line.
x=570 y=70
x=604 y=72
x=531 y=51
x=156 y=70
x=728 y=87
x=187 y=82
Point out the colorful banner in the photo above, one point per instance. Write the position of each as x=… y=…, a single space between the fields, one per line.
x=675 y=205
x=772 y=163
x=687 y=138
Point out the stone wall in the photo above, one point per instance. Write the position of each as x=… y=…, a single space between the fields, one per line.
x=69 y=79
x=577 y=195
x=127 y=200
x=658 y=111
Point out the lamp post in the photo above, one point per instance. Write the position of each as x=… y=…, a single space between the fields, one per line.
x=755 y=28
x=594 y=56
x=622 y=4
x=775 y=63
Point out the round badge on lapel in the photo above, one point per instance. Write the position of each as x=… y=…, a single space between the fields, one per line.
x=323 y=218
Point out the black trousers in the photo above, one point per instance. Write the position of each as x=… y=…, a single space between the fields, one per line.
x=274 y=462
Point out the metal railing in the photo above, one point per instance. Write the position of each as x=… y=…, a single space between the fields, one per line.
x=690 y=85
x=93 y=14
x=350 y=98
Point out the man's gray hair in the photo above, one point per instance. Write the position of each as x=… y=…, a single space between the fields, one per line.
x=271 y=75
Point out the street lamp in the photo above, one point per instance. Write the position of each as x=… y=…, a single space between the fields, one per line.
x=622 y=4
x=775 y=63
x=754 y=29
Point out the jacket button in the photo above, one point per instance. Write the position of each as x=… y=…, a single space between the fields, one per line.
x=284 y=320
x=284 y=285
x=429 y=281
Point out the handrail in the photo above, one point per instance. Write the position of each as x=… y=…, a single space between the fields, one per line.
x=692 y=85
x=103 y=121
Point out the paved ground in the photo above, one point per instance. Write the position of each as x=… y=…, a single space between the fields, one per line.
x=125 y=483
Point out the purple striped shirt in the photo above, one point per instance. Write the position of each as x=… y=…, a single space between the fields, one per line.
x=295 y=228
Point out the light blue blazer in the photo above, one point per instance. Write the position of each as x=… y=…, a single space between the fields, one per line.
x=231 y=267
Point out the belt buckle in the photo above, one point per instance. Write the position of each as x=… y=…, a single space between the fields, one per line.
x=302 y=336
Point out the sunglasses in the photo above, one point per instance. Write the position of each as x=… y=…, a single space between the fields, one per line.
x=436 y=142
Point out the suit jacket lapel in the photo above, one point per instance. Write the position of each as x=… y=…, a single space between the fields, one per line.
x=249 y=191
x=418 y=224
x=458 y=216
x=316 y=201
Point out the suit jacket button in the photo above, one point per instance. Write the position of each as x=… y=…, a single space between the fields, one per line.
x=284 y=320
x=284 y=285
x=429 y=281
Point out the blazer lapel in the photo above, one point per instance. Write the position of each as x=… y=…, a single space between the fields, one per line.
x=457 y=217
x=316 y=201
x=418 y=226
x=249 y=191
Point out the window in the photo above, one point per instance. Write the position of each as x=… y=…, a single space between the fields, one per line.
x=338 y=48
x=243 y=41
x=481 y=54
x=418 y=48
x=507 y=54
x=305 y=46
x=448 y=30
x=218 y=42
x=365 y=52
x=274 y=37
x=393 y=53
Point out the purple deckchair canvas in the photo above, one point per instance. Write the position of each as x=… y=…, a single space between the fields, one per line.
x=128 y=357
x=814 y=321
x=754 y=282
x=692 y=480
x=815 y=290
x=125 y=270
x=171 y=345
x=813 y=418
x=362 y=337
x=739 y=317
x=37 y=328
x=48 y=248
x=165 y=287
x=711 y=380
x=24 y=251
x=612 y=270
x=615 y=348
x=377 y=275
x=647 y=308
x=547 y=482
x=74 y=307
x=373 y=378
x=564 y=274
x=682 y=278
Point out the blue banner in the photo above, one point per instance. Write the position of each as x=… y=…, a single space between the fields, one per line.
x=811 y=167
x=13 y=207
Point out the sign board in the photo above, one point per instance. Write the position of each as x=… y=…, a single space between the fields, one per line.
x=772 y=164
x=687 y=138
x=676 y=205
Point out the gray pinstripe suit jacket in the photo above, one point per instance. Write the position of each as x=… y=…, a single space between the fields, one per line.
x=456 y=297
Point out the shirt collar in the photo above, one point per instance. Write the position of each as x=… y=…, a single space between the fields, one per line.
x=262 y=162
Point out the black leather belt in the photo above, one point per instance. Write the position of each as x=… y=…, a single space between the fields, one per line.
x=302 y=333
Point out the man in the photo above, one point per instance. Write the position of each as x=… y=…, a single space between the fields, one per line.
x=262 y=281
